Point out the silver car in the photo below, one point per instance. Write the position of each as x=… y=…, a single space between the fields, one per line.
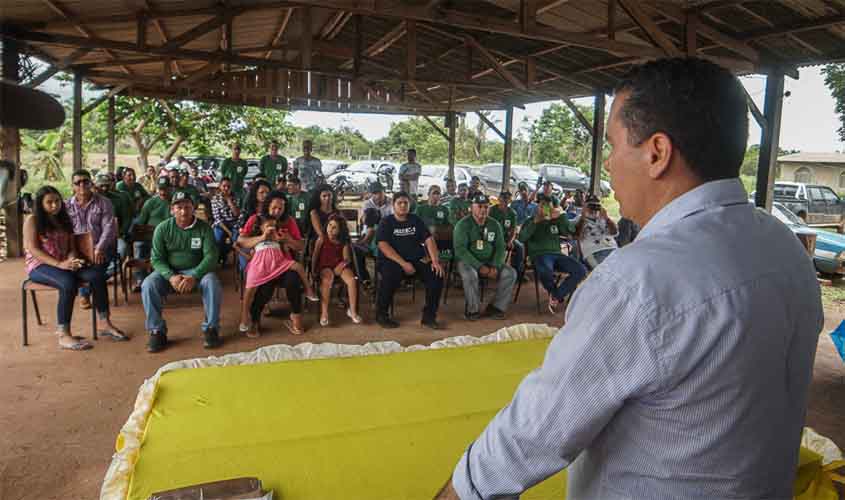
x=436 y=175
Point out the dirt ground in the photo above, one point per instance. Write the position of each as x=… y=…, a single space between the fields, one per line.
x=61 y=411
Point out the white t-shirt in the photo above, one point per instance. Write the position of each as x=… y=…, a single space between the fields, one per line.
x=595 y=236
x=411 y=172
x=308 y=171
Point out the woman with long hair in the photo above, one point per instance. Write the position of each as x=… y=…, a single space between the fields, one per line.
x=52 y=260
x=323 y=205
x=255 y=199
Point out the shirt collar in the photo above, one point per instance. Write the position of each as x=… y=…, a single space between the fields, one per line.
x=709 y=195
x=190 y=226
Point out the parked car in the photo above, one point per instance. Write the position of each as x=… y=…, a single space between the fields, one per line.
x=208 y=166
x=570 y=178
x=437 y=174
x=333 y=166
x=361 y=174
x=829 y=255
x=817 y=205
x=491 y=176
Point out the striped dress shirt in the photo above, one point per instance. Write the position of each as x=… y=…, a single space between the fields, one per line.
x=682 y=370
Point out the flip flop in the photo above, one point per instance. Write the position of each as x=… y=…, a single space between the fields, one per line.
x=253 y=332
x=115 y=335
x=292 y=329
x=313 y=298
x=77 y=346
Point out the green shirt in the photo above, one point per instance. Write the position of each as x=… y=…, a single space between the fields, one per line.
x=507 y=218
x=458 y=209
x=191 y=191
x=273 y=168
x=137 y=192
x=433 y=215
x=298 y=208
x=480 y=245
x=176 y=249
x=123 y=208
x=544 y=238
x=154 y=212
x=235 y=170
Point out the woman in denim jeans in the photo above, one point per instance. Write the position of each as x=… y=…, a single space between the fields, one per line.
x=51 y=260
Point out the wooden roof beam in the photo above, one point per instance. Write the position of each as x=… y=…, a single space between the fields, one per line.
x=436 y=127
x=579 y=115
x=280 y=31
x=548 y=5
x=820 y=23
x=59 y=66
x=159 y=26
x=492 y=126
x=658 y=36
x=497 y=66
x=199 y=30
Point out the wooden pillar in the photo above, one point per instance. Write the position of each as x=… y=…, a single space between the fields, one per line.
x=110 y=133
x=506 y=159
x=598 y=144
x=769 y=140
x=451 y=122
x=10 y=150
x=77 y=120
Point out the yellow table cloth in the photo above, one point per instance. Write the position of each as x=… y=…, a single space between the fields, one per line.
x=386 y=426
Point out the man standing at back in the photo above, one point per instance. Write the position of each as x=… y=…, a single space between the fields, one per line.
x=274 y=165
x=683 y=367
x=409 y=174
x=235 y=169
x=308 y=168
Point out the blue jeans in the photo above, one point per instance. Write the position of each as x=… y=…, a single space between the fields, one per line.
x=220 y=237
x=518 y=258
x=155 y=288
x=547 y=264
x=67 y=283
x=104 y=272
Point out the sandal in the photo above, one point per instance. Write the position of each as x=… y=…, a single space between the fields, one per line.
x=79 y=345
x=354 y=317
x=292 y=329
x=114 y=334
x=253 y=332
x=324 y=321
x=313 y=297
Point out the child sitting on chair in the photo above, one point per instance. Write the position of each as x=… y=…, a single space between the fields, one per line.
x=333 y=258
x=268 y=263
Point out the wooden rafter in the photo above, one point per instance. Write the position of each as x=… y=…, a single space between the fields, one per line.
x=579 y=115
x=162 y=32
x=199 y=30
x=632 y=7
x=436 y=127
x=792 y=36
x=547 y=5
x=497 y=66
x=111 y=93
x=280 y=31
x=492 y=126
x=58 y=66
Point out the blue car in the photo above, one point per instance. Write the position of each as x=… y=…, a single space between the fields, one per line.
x=829 y=256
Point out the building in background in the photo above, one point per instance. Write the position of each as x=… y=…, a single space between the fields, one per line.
x=827 y=169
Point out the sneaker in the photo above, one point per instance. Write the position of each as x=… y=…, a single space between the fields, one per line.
x=494 y=313
x=472 y=316
x=211 y=338
x=354 y=317
x=157 y=342
x=431 y=323
x=385 y=322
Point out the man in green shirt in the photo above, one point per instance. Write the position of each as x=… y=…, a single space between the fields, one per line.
x=185 y=187
x=541 y=236
x=122 y=205
x=184 y=258
x=459 y=205
x=235 y=168
x=298 y=201
x=479 y=242
x=136 y=191
x=506 y=216
x=155 y=211
x=436 y=214
x=274 y=165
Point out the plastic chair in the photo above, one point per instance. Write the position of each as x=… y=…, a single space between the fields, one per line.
x=32 y=287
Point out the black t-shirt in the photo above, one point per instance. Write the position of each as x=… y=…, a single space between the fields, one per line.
x=405 y=237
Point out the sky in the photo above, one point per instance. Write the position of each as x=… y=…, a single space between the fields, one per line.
x=808 y=123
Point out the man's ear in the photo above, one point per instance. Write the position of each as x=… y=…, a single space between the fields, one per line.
x=659 y=150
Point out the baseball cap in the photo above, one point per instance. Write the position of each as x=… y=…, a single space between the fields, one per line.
x=180 y=196
x=163 y=182
x=547 y=182
x=376 y=187
x=103 y=179
x=505 y=194
x=173 y=165
x=522 y=186
x=481 y=199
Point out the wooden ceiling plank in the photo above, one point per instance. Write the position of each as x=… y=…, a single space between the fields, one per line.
x=497 y=66
x=633 y=8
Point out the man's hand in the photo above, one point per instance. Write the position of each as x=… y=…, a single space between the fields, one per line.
x=340 y=267
x=283 y=235
x=483 y=271
x=176 y=282
x=408 y=268
x=493 y=273
x=188 y=283
x=556 y=213
x=68 y=264
x=437 y=267
x=99 y=257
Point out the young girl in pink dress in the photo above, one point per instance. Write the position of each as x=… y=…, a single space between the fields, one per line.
x=268 y=262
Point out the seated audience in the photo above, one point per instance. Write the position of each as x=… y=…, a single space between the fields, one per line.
x=541 y=235
x=628 y=231
x=226 y=214
x=150 y=179
x=52 y=260
x=136 y=190
x=323 y=205
x=595 y=232
x=122 y=205
x=403 y=241
x=269 y=261
x=459 y=205
x=184 y=257
x=155 y=211
x=378 y=200
x=299 y=200
x=479 y=243
x=366 y=244
x=432 y=211
x=506 y=216
x=523 y=206
x=333 y=259
x=195 y=180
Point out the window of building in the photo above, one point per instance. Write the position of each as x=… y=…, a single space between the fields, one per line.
x=842 y=180
x=804 y=175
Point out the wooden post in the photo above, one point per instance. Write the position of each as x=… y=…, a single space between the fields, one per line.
x=598 y=144
x=769 y=140
x=506 y=160
x=77 y=120
x=451 y=123
x=10 y=150
x=110 y=133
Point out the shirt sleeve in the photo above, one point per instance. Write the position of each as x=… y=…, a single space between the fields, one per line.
x=145 y=213
x=158 y=255
x=460 y=236
x=422 y=230
x=604 y=355
x=527 y=231
x=247 y=229
x=109 y=224
x=209 y=254
x=384 y=231
x=501 y=248
x=293 y=229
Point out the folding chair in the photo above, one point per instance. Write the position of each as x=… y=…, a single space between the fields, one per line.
x=140 y=233
x=351 y=216
x=32 y=287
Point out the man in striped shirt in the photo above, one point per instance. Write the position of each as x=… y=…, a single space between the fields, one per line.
x=683 y=367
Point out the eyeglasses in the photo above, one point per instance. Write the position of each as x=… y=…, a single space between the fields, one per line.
x=82 y=182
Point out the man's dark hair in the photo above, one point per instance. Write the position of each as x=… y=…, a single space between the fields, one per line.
x=226 y=179
x=401 y=194
x=81 y=173
x=412 y=150
x=698 y=104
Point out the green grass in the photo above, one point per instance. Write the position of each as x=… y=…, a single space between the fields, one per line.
x=833 y=295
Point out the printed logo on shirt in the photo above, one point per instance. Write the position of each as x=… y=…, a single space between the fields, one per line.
x=196 y=243
x=491 y=236
x=507 y=224
x=241 y=170
x=302 y=206
x=440 y=214
x=479 y=245
x=553 y=229
x=405 y=231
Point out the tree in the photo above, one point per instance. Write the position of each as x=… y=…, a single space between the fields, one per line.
x=558 y=137
x=48 y=151
x=834 y=78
